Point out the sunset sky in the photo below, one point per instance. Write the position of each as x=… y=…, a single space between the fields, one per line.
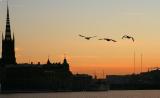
x=50 y=28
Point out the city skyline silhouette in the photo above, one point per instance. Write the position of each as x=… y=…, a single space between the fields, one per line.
x=50 y=28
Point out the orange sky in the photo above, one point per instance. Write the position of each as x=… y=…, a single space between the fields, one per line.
x=50 y=28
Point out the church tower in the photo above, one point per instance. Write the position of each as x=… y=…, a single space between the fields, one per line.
x=8 y=44
x=65 y=63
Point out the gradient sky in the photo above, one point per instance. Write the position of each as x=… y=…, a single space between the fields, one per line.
x=50 y=28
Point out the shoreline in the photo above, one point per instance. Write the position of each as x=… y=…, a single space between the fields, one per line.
x=20 y=92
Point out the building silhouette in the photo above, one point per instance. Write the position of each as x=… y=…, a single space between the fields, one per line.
x=57 y=76
x=31 y=77
x=8 y=44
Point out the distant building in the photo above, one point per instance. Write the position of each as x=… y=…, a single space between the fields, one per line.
x=8 y=44
x=22 y=77
x=31 y=77
x=82 y=82
x=144 y=81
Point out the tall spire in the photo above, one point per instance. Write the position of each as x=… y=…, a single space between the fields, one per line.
x=13 y=36
x=2 y=36
x=65 y=60
x=8 y=28
x=48 y=62
x=8 y=45
x=65 y=63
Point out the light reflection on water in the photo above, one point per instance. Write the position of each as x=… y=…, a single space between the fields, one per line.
x=109 y=94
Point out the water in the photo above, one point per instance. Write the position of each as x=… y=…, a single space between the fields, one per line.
x=109 y=94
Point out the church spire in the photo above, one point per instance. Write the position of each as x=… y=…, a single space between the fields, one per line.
x=8 y=45
x=13 y=36
x=48 y=62
x=65 y=60
x=65 y=63
x=8 y=28
x=2 y=36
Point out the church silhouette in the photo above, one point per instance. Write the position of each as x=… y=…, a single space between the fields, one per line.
x=16 y=77
x=8 y=44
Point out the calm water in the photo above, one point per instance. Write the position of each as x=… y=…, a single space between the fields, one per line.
x=109 y=94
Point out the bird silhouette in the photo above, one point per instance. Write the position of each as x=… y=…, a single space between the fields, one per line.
x=128 y=37
x=87 y=37
x=108 y=39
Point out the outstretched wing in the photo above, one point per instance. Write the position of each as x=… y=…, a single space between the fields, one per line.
x=114 y=40
x=133 y=39
x=124 y=36
x=81 y=35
